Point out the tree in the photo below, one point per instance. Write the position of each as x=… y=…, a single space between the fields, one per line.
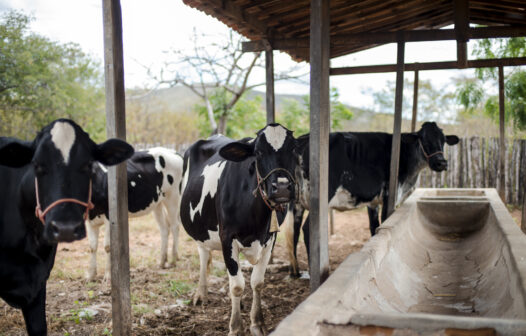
x=435 y=104
x=296 y=115
x=472 y=95
x=218 y=72
x=41 y=80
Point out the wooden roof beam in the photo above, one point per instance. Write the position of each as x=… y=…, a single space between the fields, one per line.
x=390 y=37
x=483 y=63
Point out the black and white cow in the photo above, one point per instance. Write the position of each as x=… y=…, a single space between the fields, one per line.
x=154 y=178
x=359 y=165
x=229 y=190
x=49 y=177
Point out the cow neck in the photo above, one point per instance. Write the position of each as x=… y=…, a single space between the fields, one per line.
x=411 y=165
x=42 y=214
x=262 y=190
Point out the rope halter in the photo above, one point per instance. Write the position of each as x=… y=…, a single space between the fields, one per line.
x=263 y=192
x=42 y=214
x=425 y=154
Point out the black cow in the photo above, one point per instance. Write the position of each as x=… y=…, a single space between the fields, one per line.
x=154 y=178
x=51 y=174
x=230 y=189
x=359 y=165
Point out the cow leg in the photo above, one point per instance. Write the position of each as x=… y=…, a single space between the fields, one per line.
x=236 y=284
x=174 y=221
x=202 y=291
x=292 y=233
x=373 y=219
x=257 y=324
x=92 y=229
x=162 y=221
x=35 y=314
x=384 y=209
x=306 y=236
x=107 y=248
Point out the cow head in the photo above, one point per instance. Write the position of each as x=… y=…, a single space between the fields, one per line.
x=62 y=159
x=274 y=149
x=430 y=143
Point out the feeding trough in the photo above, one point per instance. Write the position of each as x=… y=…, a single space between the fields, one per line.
x=447 y=262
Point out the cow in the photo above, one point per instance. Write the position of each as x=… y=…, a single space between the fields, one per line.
x=154 y=178
x=45 y=198
x=359 y=165
x=230 y=190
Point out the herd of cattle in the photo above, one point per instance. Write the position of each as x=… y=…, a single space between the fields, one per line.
x=223 y=192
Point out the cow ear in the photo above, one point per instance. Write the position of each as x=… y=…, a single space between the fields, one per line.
x=15 y=153
x=113 y=151
x=452 y=140
x=236 y=151
x=409 y=138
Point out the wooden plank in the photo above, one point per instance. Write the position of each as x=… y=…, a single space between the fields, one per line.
x=391 y=37
x=415 y=102
x=482 y=63
x=397 y=127
x=117 y=181
x=523 y=219
x=502 y=138
x=319 y=142
x=461 y=18
x=269 y=95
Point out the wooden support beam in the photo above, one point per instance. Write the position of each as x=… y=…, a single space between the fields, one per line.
x=523 y=220
x=319 y=142
x=461 y=19
x=483 y=63
x=269 y=94
x=117 y=181
x=391 y=37
x=397 y=129
x=415 y=102
x=502 y=139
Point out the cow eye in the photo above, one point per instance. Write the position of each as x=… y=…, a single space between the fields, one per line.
x=39 y=169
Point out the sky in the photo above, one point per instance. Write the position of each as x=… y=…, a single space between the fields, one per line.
x=152 y=27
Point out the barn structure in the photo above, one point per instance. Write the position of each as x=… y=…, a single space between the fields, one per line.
x=316 y=31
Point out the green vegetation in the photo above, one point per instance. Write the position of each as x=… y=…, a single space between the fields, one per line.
x=41 y=80
x=180 y=287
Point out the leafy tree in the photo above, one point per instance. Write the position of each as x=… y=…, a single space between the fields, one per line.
x=472 y=95
x=41 y=80
x=296 y=115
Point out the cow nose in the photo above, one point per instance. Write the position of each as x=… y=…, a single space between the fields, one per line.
x=441 y=165
x=281 y=190
x=66 y=231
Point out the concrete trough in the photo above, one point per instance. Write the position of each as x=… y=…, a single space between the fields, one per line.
x=447 y=262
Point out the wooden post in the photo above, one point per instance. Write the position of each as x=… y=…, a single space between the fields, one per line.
x=502 y=139
x=117 y=182
x=270 y=98
x=415 y=102
x=397 y=127
x=461 y=18
x=319 y=142
x=331 y=222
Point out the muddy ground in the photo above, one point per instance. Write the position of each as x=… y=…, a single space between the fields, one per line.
x=161 y=297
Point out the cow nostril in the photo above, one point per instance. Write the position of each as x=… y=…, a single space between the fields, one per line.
x=79 y=230
x=54 y=228
x=274 y=187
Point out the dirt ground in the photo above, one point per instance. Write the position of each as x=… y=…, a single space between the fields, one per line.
x=161 y=297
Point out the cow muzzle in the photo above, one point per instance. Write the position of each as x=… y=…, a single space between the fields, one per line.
x=281 y=190
x=66 y=231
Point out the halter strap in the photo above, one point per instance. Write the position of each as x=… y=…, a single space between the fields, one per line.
x=425 y=154
x=263 y=193
x=42 y=214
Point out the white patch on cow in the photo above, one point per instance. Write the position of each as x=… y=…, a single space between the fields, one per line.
x=185 y=177
x=342 y=199
x=132 y=183
x=251 y=140
x=103 y=167
x=213 y=243
x=275 y=136
x=283 y=180
x=253 y=253
x=63 y=137
x=211 y=173
x=258 y=272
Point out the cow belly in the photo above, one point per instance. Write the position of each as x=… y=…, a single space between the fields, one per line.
x=344 y=200
x=212 y=243
x=254 y=252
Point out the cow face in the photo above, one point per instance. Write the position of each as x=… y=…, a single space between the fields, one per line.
x=431 y=141
x=62 y=159
x=275 y=154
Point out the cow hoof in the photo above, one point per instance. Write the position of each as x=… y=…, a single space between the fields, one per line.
x=200 y=298
x=294 y=274
x=257 y=330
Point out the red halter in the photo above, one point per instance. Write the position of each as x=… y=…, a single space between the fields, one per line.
x=41 y=214
x=425 y=154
